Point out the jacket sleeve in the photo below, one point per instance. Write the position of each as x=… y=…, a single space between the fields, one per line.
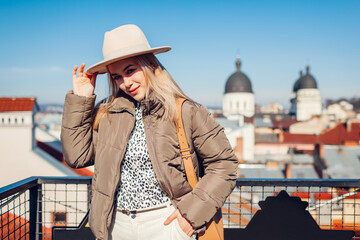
x=220 y=164
x=76 y=130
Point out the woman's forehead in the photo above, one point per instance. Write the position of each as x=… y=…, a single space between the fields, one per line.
x=122 y=64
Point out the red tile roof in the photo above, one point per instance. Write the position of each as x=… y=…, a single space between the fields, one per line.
x=11 y=104
x=282 y=123
x=324 y=196
x=339 y=135
x=17 y=227
x=356 y=195
x=299 y=138
x=249 y=119
x=301 y=195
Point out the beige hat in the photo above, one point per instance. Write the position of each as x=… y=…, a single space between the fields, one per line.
x=123 y=42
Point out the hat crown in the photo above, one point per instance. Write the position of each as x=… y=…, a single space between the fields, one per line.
x=126 y=38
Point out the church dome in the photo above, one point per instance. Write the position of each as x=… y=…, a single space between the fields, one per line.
x=306 y=81
x=296 y=85
x=238 y=81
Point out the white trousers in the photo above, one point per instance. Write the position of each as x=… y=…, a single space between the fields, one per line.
x=147 y=225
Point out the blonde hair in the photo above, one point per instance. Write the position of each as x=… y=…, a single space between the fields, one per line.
x=160 y=85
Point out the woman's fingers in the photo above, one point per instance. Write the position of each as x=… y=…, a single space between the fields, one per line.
x=171 y=217
x=185 y=225
x=74 y=71
x=81 y=70
x=83 y=83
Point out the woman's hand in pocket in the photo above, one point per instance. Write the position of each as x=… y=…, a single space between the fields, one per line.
x=184 y=224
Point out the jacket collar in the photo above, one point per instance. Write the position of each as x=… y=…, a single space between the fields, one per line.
x=123 y=101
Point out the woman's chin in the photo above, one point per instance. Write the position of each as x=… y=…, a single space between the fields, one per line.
x=137 y=97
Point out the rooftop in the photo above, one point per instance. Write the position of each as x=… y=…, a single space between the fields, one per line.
x=342 y=162
x=11 y=104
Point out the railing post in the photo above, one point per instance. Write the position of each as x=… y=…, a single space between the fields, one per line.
x=35 y=212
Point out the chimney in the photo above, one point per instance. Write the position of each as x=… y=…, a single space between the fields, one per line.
x=239 y=149
x=281 y=136
x=348 y=125
x=288 y=171
x=321 y=151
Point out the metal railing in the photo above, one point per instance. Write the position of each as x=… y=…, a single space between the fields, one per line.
x=31 y=207
x=333 y=204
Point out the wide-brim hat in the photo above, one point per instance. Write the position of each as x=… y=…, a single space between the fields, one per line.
x=124 y=42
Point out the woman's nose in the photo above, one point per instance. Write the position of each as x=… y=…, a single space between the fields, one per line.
x=127 y=82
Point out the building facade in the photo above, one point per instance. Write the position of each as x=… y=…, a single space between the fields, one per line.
x=305 y=98
x=20 y=157
x=238 y=97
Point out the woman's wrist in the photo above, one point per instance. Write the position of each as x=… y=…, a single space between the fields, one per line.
x=71 y=92
x=82 y=94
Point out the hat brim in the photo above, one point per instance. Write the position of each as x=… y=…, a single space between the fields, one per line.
x=100 y=67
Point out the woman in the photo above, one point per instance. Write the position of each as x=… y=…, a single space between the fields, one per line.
x=139 y=186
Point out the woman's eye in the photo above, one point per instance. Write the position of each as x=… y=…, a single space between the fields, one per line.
x=117 y=77
x=130 y=71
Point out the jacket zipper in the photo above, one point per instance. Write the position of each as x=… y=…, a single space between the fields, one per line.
x=156 y=159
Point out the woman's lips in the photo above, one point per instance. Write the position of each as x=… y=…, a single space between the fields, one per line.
x=134 y=91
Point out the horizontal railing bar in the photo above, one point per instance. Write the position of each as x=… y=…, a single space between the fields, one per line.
x=30 y=182
x=65 y=180
x=19 y=186
x=346 y=183
x=33 y=181
x=14 y=196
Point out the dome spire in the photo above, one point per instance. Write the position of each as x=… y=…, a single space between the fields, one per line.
x=307 y=69
x=238 y=63
x=301 y=73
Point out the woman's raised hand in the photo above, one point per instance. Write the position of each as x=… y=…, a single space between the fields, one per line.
x=83 y=84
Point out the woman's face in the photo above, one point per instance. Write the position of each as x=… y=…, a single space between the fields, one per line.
x=130 y=78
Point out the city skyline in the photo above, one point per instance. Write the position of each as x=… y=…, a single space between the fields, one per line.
x=42 y=41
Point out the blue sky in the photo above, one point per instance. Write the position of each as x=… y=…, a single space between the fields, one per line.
x=41 y=41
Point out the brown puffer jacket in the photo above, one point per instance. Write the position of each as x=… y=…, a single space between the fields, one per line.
x=82 y=146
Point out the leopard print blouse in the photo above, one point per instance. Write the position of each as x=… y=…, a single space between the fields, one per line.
x=139 y=187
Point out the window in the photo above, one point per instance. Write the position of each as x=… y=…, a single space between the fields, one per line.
x=2 y=120
x=9 y=120
x=15 y=120
x=59 y=218
x=22 y=120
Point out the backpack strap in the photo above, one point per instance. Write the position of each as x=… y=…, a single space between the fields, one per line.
x=184 y=146
x=214 y=228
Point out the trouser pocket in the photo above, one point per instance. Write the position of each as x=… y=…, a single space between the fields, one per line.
x=178 y=233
